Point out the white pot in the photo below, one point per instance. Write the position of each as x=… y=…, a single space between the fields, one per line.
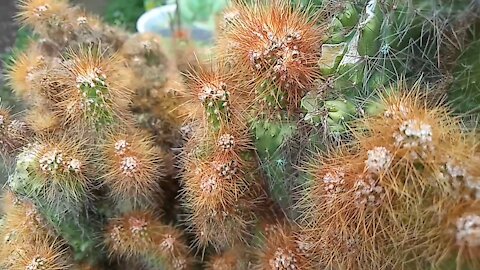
x=157 y=21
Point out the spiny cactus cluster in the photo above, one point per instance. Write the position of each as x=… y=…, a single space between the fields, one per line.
x=319 y=135
x=86 y=189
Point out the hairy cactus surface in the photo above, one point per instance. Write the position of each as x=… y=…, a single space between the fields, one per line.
x=317 y=134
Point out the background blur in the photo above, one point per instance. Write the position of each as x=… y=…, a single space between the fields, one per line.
x=119 y=12
x=9 y=29
x=124 y=13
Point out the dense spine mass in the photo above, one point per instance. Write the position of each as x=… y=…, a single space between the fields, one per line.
x=83 y=168
x=318 y=135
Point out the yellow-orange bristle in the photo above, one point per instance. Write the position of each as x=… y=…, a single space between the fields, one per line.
x=134 y=166
x=44 y=254
x=23 y=217
x=145 y=55
x=142 y=45
x=214 y=185
x=412 y=131
x=217 y=95
x=95 y=87
x=383 y=200
x=275 y=41
x=84 y=23
x=171 y=246
x=217 y=182
x=229 y=16
x=232 y=259
x=170 y=242
x=346 y=199
x=282 y=249
x=42 y=120
x=13 y=132
x=140 y=235
x=208 y=155
x=334 y=178
x=9 y=201
x=38 y=13
x=24 y=69
x=216 y=173
x=232 y=142
x=174 y=87
x=21 y=226
x=463 y=231
x=223 y=227
x=132 y=235
x=458 y=166
x=62 y=167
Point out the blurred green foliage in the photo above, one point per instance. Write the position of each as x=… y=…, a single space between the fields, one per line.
x=150 y=4
x=124 y=13
x=201 y=11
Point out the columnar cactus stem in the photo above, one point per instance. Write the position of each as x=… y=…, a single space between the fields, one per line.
x=276 y=48
x=140 y=235
x=219 y=178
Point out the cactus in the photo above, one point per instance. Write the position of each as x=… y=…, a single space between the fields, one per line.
x=141 y=236
x=399 y=158
x=463 y=90
x=79 y=160
x=220 y=184
x=276 y=48
x=319 y=135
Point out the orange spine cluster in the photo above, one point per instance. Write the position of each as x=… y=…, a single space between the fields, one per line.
x=62 y=25
x=27 y=240
x=61 y=170
x=133 y=167
x=274 y=45
x=283 y=249
x=142 y=237
x=82 y=160
x=267 y=55
x=12 y=133
x=94 y=87
x=401 y=195
x=231 y=259
x=218 y=162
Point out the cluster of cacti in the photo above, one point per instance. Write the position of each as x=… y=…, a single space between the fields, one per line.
x=86 y=189
x=321 y=135
x=401 y=195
